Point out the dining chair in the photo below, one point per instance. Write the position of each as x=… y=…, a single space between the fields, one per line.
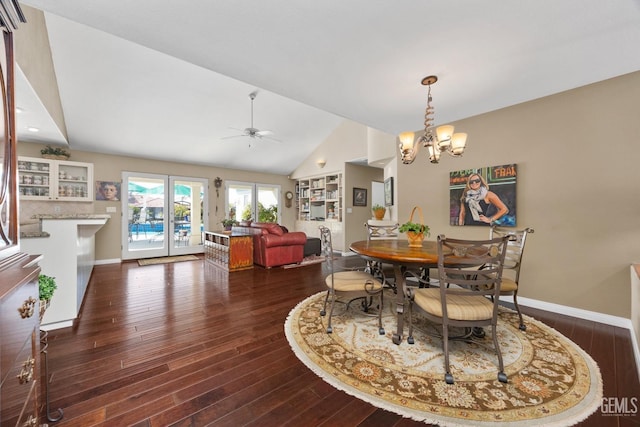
x=381 y=230
x=467 y=296
x=513 y=261
x=348 y=285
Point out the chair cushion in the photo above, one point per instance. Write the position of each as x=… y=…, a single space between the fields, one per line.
x=459 y=307
x=351 y=281
x=508 y=286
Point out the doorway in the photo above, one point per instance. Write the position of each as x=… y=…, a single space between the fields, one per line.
x=162 y=215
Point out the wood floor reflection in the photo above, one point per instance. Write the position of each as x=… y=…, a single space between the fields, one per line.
x=188 y=344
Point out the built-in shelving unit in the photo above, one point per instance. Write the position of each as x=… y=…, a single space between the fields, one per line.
x=319 y=201
x=320 y=198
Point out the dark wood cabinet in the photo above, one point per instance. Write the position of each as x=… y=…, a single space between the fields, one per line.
x=20 y=338
x=19 y=299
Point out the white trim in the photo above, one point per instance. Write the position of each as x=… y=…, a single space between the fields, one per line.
x=56 y=325
x=636 y=348
x=108 y=261
x=593 y=316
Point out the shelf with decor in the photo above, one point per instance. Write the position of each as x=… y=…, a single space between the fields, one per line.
x=320 y=198
x=61 y=180
x=303 y=199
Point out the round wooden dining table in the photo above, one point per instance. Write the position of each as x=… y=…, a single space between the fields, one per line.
x=401 y=256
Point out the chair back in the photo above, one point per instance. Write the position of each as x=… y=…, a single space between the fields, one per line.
x=515 y=247
x=381 y=230
x=470 y=267
x=326 y=246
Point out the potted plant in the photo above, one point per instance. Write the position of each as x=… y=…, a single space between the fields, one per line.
x=55 y=153
x=415 y=232
x=228 y=223
x=379 y=211
x=46 y=285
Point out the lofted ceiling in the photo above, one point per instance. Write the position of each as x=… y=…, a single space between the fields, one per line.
x=171 y=80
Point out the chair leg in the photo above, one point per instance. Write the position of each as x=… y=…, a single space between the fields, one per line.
x=333 y=303
x=410 y=339
x=380 y=301
x=448 y=378
x=522 y=326
x=502 y=377
x=324 y=308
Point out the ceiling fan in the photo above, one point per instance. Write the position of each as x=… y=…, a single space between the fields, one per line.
x=252 y=132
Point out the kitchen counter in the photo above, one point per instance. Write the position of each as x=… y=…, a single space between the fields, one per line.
x=67 y=244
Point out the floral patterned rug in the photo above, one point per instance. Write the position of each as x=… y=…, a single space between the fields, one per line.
x=552 y=381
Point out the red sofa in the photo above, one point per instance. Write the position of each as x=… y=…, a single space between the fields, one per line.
x=274 y=245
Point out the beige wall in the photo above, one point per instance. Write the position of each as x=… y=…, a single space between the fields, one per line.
x=109 y=168
x=360 y=177
x=577 y=153
x=347 y=142
x=33 y=57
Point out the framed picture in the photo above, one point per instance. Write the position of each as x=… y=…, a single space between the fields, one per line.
x=388 y=191
x=108 y=191
x=483 y=196
x=359 y=196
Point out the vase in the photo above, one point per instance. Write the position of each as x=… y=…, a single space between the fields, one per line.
x=415 y=239
x=379 y=213
x=44 y=304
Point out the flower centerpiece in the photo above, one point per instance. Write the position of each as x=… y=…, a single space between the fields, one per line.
x=46 y=286
x=378 y=211
x=415 y=233
x=415 y=230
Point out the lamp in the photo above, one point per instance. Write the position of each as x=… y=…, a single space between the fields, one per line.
x=321 y=163
x=444 y=140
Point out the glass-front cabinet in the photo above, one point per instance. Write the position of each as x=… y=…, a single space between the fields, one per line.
x=62 y=180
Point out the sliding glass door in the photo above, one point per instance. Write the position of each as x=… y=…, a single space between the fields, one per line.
x=162 y=215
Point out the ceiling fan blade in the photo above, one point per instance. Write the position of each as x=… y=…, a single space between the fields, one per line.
x=271 y=139
x=264 y=132
x=233 y=136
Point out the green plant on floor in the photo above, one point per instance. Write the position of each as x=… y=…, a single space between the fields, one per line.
x=47 y=285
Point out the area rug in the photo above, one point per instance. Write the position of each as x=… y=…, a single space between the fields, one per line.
x=552 y=381
x=167 y=259
x=313 y=259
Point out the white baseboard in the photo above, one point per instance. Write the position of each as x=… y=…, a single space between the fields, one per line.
x=108 y=261
x=348 y=253
x=594 y=316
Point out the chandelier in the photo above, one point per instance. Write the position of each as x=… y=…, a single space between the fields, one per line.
x=444 y=139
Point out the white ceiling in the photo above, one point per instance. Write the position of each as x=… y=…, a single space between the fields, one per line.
x=168 y=80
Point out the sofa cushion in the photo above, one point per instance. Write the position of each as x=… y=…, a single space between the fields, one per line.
x=271 y=228
x=296 y=238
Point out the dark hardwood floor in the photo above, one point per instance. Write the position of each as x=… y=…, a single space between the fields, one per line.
x=188 y=344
